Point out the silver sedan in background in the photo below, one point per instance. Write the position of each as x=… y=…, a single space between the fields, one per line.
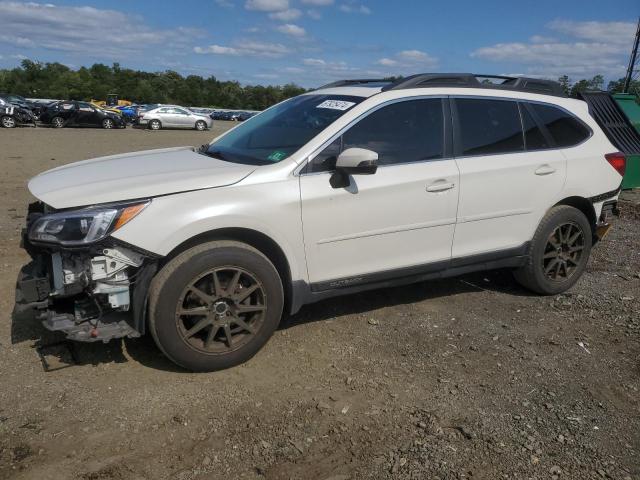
x=172 y=116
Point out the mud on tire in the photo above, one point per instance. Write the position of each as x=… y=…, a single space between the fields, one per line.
x=215 y=305
x=559 y=252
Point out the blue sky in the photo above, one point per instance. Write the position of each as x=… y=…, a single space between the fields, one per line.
x=311 y=42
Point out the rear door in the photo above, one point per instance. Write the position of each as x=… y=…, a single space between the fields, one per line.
x=183 y=118
x=394 y=223
x=510 y=174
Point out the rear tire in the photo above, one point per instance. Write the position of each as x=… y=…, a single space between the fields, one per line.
x=155 y=125
x=8 y=122
x=215 y=305
x=57 y=122
x=559 y=252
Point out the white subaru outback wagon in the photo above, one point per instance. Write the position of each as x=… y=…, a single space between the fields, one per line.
x=357 y=185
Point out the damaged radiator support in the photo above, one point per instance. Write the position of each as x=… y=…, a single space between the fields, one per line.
x=94 y=293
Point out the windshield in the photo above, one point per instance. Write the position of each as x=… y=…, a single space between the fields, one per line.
x=280 y=131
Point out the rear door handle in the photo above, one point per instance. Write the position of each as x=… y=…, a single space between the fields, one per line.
x=440 y=187
x=545 y=170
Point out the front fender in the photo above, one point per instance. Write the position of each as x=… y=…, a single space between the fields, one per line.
x=272 y=209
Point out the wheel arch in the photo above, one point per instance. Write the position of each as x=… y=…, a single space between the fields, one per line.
x=258 y=240
x=585 y=206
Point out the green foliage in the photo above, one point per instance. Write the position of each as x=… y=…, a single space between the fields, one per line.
x=54 y=80
x=616 y=86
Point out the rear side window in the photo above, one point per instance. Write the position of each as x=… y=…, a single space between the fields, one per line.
x=565 y=129
x=533 y=136
x=488 y=127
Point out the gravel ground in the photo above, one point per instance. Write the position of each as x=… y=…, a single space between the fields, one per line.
x=470 y=377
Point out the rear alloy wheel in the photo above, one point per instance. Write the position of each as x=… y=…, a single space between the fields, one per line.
x=215 y=305
x=107 y=123
x=559 y=252
x=8 y=122
x=57 y=122
x=155 y=125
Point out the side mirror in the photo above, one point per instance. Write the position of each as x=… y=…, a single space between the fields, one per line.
x=353 y=161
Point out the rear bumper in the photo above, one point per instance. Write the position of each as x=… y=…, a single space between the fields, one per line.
x=605 y=221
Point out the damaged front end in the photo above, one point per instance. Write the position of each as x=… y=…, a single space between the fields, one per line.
x=81 y=281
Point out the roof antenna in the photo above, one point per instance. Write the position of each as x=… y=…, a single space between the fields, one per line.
x=632 y=61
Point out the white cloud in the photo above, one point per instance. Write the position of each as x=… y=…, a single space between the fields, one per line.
x=267 y=5
x=387 y=62
x=225 y=3
x=246 y=48
x=355 y=8
x=266 y=76
x=292 y=30
x=83 y=30
x=409 y=59
x=589 y=48
x=315 y=14
x=286 y=15
x=318 y=3
x=602 y=32
x=314 y=61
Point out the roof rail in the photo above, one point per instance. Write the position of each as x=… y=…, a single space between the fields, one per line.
x=345 y=83
x=471 y=80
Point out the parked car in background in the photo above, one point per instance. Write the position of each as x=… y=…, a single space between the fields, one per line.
x=173 y=116
x=12 y=115
x=20 y=101
x=129 y=112
x=80 y=114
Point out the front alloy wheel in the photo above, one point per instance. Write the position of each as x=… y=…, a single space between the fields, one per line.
x=8 y=122
x=57 y=122
x=215 y=305
x=221 y=310
x=107 y=123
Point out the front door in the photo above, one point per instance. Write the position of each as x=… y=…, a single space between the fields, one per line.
x=393 y=223
x=86 y=115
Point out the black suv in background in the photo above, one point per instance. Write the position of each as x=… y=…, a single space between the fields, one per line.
x=80 y=114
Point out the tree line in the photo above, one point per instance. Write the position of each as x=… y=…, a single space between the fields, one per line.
x=55 y=80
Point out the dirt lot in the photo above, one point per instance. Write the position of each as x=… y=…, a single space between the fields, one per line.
x=465 y=378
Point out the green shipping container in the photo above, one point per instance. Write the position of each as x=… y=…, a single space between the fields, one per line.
x=629 y=105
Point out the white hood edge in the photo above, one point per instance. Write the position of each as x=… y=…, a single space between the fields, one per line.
x=145 y=174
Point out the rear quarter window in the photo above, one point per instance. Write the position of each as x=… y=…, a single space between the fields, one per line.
x=565 y=129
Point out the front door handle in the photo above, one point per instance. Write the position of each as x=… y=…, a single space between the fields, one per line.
x=440 y=187
x=545 y=170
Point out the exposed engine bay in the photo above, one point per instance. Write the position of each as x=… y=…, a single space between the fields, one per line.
x=93 y=293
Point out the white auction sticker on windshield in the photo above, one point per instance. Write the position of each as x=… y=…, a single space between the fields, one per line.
x=336 y=105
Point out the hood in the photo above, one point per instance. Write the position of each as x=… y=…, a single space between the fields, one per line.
x=134 y=175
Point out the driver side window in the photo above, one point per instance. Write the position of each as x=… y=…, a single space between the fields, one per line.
x=403 y=132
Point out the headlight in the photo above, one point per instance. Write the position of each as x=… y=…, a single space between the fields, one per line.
x=85 y=226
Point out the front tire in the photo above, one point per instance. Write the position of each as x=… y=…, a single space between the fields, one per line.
x=215 y=305
x=201 y=126
x=559 y=252
x=57 y=122
x=107 y=123
x=155 y=125
x=8 y=122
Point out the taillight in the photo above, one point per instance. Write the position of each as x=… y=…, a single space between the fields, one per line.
x=618 y=161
